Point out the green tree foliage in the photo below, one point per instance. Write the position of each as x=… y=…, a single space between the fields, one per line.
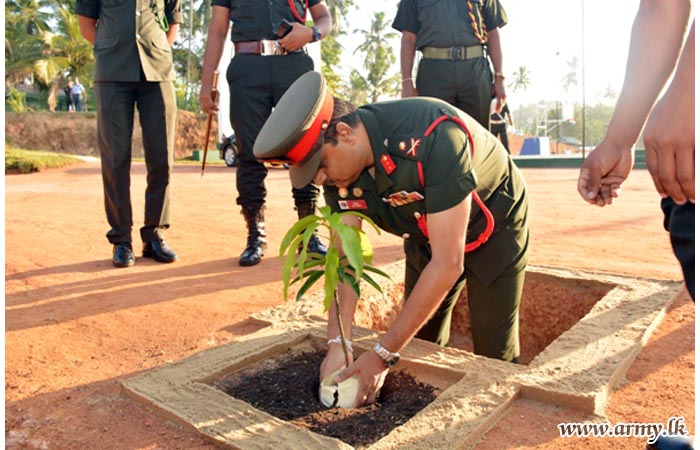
x=379 y=58
x=188 y=51
x=597 y=120
x=24 y=20
x=66 y=55
x=331 y=51
x=571 y=77
x=521 y=79
x=339 y=11
x=46 y=54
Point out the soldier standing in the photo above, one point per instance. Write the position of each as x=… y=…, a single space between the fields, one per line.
x=455 y=37
x=264 y=66
x=134 y=66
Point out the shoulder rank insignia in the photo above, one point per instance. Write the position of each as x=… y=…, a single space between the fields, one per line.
x=387 y=163
x=413 y=148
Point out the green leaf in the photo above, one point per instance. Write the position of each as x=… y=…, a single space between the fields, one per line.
x=313 y=278
x=306 y=274
x=293 y=232
x=289 y=264
x=365 y=218
x=306 y=237
x=377 y=271
x=350 y=240
x=325 y=212
x=371 y=282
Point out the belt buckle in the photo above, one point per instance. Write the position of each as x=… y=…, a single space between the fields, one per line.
x=457 y=53
x=279 y=50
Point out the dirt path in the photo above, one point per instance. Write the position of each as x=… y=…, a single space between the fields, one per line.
x=76 y=326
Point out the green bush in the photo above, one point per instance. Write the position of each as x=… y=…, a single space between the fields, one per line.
x=27 y=161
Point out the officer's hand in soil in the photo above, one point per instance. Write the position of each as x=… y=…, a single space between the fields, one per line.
x=206 y=104
x=670 y=147
x=603 y=172
x=297 y=38
x=371 y=370
x=333 y=361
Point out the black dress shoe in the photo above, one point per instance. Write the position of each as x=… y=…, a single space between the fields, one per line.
x=123 y=255
x=159 y=250
x=315 y=246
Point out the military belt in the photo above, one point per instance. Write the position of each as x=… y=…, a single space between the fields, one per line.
x=263 y=48
x=458 y=53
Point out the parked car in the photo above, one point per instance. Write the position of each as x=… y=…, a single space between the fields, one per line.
x=228 y=151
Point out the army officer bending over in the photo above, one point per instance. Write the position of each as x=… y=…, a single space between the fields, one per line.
x=423 y=170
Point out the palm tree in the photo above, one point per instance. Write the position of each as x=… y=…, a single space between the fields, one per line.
x=571 y=78
x=339 y=11
x=24 y=20
x=521 y=79
x=66 y=54
x=379 y=57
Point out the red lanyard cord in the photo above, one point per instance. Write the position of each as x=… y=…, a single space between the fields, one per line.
x=421 y=219
x=296 y=13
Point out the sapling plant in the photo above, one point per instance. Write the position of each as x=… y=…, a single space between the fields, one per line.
x=353 y=266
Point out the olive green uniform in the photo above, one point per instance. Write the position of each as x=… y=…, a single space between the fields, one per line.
x=134 y=66
x=256 y=84
x=391 y=197
x=465 y=79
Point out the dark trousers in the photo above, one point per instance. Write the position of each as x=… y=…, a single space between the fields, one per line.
x=256 y=84
x=78 y=102
x=493 y=308
x=115 y=124
x=500 y=130
x=679 y=221
x=464 y=84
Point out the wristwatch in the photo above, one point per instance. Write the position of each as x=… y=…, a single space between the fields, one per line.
x=389 y=358
x=316 y=35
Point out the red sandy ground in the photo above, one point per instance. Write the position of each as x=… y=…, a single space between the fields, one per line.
x=76 y=326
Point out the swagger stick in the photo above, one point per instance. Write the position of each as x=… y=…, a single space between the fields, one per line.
x=211 y=116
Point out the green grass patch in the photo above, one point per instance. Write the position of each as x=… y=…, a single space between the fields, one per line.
x=19 y=160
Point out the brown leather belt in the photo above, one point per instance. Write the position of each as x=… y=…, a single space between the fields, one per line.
x=263 y=48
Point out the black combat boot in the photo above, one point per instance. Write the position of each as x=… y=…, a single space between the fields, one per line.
x=255 y=248
x=315 y=244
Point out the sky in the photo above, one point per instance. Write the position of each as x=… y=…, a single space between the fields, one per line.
x=543 y=35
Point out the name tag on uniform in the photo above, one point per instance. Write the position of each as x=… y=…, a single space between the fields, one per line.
x=352 y=204
x=403 y=198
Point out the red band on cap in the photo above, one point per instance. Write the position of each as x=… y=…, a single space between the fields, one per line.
x=301 y=150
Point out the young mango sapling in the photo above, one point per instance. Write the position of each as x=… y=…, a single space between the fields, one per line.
x=354 y=265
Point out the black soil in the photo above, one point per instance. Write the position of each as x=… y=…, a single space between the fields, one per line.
x=287 y=388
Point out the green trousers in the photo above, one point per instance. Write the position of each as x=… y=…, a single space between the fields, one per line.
x=115 y=124
x=493 y=309
x=464 y=84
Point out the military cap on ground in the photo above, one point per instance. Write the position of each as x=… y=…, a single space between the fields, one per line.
x=293 y=133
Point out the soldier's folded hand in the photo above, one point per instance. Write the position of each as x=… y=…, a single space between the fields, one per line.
x=297 y=38
x=206 y=104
